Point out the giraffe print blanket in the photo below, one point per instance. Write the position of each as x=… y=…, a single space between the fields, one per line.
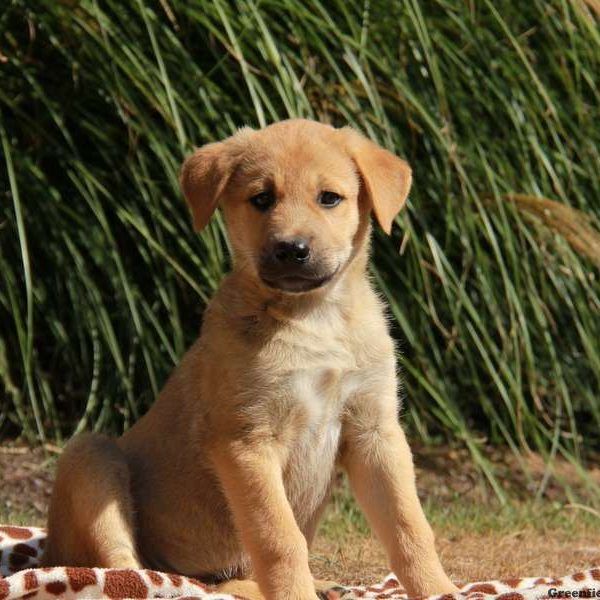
x=20 y=578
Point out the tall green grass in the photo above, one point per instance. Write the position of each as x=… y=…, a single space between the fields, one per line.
x=103 y=282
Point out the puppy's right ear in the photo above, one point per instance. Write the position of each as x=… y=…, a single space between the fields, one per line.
x=203 y=178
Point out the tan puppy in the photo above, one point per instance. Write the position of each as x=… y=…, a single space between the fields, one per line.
x=294 y=372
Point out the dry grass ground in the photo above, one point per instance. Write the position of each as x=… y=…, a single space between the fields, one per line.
x=530 y=549
x=478 y=538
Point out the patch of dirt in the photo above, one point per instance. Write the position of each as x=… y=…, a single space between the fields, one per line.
x=443 y=473
x=26 y=475
x=466 y=558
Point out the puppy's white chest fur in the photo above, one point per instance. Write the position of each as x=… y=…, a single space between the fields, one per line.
x=316 y=395
x=319 y=370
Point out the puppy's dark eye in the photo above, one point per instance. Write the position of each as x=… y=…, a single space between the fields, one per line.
x=263 y=201
x=329 y=199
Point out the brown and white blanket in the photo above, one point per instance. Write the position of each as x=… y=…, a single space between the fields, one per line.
x=21 y=577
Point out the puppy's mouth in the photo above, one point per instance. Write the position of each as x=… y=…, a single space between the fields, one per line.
x=297 y=284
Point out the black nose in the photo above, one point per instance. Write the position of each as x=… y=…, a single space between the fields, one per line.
x=292 y=251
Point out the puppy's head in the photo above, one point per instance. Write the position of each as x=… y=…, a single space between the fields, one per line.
x=295 y=196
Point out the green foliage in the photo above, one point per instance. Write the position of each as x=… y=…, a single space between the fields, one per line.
x=456 y=515
x=103 y=282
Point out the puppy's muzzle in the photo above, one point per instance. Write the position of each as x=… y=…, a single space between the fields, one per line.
x=290 y=266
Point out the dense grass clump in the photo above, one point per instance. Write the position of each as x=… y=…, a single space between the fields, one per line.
x=492 y=275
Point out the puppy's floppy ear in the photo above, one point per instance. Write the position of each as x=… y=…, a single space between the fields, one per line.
x=386 y=177
x=203 y=178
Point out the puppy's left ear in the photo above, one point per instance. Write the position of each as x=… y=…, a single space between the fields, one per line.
x=387 y=178
x=202 y=179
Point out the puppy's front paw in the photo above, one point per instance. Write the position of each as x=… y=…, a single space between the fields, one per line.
x=440 y=586
x=447 y=588
x=432 y=585
x=295 y=591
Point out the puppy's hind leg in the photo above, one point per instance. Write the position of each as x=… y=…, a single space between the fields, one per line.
x=90 y=522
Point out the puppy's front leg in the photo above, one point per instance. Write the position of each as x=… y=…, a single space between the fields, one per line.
x=380 y=467
x=251 y=476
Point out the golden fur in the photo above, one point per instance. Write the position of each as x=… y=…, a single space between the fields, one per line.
x=228 y=472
